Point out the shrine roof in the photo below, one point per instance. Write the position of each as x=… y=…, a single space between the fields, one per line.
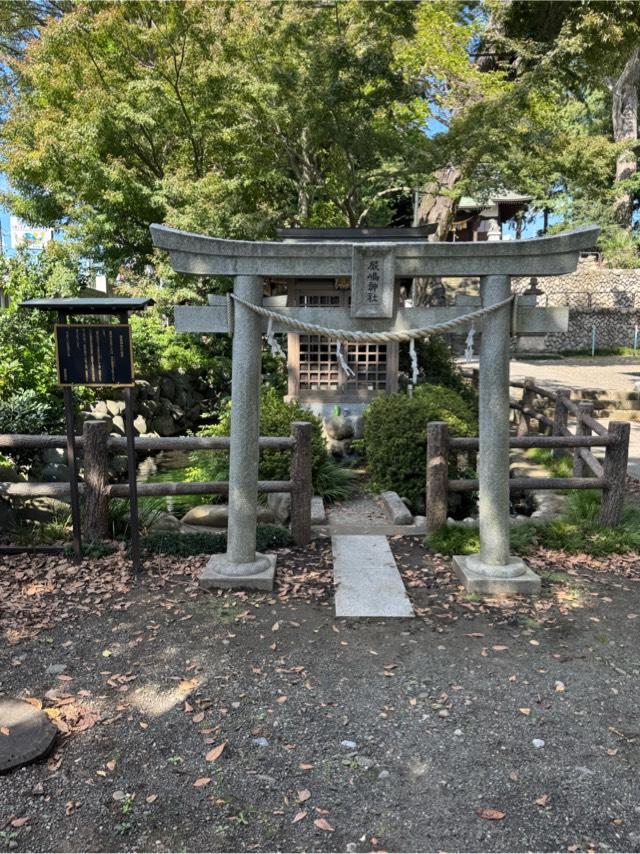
x=421 y=232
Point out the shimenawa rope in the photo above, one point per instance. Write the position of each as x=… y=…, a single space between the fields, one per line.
x=373 y=337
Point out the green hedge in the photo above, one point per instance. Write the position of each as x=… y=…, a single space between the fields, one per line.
x=395 y=433
x=210 y=542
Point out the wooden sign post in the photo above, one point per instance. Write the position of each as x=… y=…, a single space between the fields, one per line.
x=97 y=355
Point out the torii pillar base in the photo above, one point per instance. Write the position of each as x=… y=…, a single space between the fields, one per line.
x=220 y=572
x=507 y=580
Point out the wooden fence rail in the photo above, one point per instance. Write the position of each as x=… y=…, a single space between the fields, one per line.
x=609 y=476
x=96 y=490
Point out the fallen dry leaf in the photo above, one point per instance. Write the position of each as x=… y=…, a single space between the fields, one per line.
x=323 y=824
x=216 y=753
x=151 y=798
x=20 y=822
x=201 y=781
x=303 y=795
x=524 y=711
x=198 y=718
x=4 y=730
x=490 y=814
x=299 y=816
x=542 y=801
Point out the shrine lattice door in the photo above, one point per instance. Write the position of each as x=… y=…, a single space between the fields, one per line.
x=315 y=373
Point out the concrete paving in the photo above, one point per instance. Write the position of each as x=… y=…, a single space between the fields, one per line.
x=366 y=577
x=612 y=373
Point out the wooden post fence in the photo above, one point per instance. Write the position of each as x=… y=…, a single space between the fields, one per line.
x=437 y=474
x=96 y=480
x=528 y=396
x=96 y=491
x=560 y=418
x=301 y=489
x=585 y=407
x=616 y=457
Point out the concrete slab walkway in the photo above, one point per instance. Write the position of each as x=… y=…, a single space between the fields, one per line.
x=366 y=577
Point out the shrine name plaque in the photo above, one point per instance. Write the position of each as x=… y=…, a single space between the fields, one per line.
x=94 y=354
x=372 y=281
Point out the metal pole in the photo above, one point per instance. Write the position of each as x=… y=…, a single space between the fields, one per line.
x=72 y=465
x=494 y=424
x=132 y=469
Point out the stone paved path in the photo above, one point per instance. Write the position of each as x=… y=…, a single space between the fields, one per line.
x=366 y=577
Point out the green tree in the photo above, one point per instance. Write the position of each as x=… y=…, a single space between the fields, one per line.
x=590 y=51
x=222 y=117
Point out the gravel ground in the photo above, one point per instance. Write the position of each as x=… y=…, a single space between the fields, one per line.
x=495 y=726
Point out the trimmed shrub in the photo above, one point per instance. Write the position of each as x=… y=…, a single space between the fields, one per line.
x=395 y=432
x=210 y=542
x=276 y=416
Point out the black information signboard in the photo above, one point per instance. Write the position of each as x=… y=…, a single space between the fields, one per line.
x=94 y=355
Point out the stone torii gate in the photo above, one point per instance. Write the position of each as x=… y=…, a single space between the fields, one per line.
x=373 y=315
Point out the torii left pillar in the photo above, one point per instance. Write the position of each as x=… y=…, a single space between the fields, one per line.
x=242 y=566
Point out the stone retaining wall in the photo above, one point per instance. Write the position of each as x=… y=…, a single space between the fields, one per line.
x=614 y=328
x=591 y=286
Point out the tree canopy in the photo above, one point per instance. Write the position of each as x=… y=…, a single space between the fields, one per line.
x=235 y=117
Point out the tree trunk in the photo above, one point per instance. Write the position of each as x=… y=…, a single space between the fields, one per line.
x=625 y=129
x=436 y=206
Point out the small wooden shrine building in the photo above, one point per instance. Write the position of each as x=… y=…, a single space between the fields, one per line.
x=316 y=376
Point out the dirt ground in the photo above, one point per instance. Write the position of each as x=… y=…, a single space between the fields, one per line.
x=192 y=721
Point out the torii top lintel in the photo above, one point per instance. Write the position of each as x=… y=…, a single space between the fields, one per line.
x=210 y=256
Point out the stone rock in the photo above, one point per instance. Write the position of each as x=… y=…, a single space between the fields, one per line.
x=140 y=425
x=99 y=408
x=118 y=425
x=280 y=505
x=147 y=468
x=349 y=745
x=318 y=514
x=538 y=742
x=383 y=775
x=165 y=522
x=397 y=511
x=261 y=741
x=30 y=733
x=115 y=407
x=164 y=425
x=365 y=762
x=217 y=516
x=338 y=427
x=167 y=388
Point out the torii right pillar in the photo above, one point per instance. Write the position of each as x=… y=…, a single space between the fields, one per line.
x=494 y=570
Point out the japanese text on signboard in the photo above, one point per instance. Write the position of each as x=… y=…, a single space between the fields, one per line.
x=96 y=355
